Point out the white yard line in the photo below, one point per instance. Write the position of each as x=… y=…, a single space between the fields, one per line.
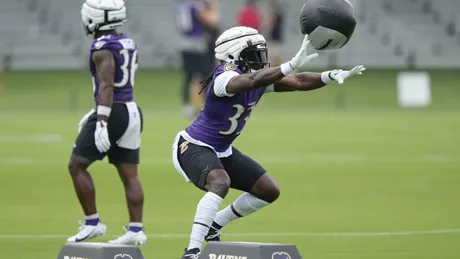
x=30 y=138
x=263 y=159
x=281 y=234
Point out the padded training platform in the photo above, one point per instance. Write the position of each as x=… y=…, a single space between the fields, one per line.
x=248 y=250
x=99 y=251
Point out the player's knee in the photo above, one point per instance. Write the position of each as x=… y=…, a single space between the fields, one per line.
x=218 y=182
x=75 y=167
x=128 y=174
x=270 y=194
x=273 y=193
x=266 y=189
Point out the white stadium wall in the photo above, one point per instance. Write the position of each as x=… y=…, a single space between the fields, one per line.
x=47 y=34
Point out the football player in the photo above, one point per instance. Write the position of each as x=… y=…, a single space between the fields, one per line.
x=203 y=153
x=114 y=128
x=193 y=21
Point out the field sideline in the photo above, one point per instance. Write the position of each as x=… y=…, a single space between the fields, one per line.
x=360 y=178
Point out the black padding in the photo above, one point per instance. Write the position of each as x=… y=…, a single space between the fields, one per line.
x=338 y=15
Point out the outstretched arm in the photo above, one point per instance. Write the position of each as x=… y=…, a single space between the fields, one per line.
x=261 y=78
x=299 y=82
x=312 y=81
x=268 y=76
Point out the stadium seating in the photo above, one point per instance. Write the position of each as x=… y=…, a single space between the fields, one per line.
x=47 y=34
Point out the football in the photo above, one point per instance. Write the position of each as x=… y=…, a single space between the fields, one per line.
x=328 y=23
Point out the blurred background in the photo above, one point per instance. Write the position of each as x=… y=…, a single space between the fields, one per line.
x=368 y=169
x=47 y=34
x=391 y=36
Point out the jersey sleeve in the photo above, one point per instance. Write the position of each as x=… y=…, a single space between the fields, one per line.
x=105 y=43
x=220 y=83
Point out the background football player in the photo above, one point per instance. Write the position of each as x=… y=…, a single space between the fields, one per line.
x=114 y=128
x=203 y=152
x=194 y=21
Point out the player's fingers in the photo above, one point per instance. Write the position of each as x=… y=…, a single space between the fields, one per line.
x=102 y=143
x=307 y=44
x=304 y=47
x=305 y=39
x=106 y=143
x=359 y=68
x=312 y=56
x=99 y=147
x=354 y=70
x=337 y=73
x=104 y=148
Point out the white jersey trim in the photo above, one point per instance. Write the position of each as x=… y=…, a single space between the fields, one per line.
x=187 y=137
x=221 y=81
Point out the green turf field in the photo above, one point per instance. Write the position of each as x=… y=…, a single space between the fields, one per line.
x=359 y=177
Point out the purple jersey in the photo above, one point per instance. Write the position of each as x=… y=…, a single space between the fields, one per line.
x=223 y=118
x=124 y=51
x=187 y=19
x=192 y=32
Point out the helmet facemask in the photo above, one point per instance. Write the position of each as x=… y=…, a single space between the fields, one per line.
x=254 y=57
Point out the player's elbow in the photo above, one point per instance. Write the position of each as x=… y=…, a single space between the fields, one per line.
x=254 y=84
x=259 y=83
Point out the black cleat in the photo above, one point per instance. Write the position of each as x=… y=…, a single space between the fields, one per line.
x=213 y=235
x=191 y=254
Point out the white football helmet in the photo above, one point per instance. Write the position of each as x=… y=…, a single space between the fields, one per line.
x=242 y=46
x=102 y=15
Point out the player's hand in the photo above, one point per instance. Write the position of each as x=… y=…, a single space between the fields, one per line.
x=302 y=58
x=340 y=75
x=84 y=120
x=101 y=136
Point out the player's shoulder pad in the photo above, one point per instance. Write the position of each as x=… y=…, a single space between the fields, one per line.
x=100 y=42
x=230 y=67
x=105 y=42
